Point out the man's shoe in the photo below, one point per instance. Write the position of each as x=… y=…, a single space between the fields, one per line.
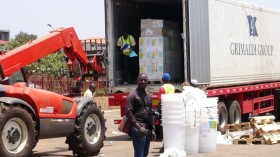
x=161 y=150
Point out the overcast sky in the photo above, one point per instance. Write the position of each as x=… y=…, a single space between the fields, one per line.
x=87 y=16
x=32 y=16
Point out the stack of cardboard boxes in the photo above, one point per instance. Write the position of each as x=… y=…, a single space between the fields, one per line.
x=160 y=49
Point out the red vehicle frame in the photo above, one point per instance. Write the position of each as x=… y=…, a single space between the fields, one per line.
x=253 y=99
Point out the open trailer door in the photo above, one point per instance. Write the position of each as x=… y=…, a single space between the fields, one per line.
x=197 y=41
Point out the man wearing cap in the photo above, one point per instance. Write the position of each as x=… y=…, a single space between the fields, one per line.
x=126 y=43
x=166 y=88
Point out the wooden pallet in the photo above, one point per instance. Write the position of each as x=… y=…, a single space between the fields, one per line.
x=258 y=141
x=237 y=127
x=269 y=129
x=266 y=128
x=263 y=120
x=248 y=139
x=265 y=124
x=272 y=138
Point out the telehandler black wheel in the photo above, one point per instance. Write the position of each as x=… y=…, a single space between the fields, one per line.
x=89 y=134
x=17 y=131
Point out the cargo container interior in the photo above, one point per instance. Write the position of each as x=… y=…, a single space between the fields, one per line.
x=127 y=15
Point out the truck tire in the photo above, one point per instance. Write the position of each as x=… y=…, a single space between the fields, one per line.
x=17 y=130
x=89 y=134
x=223 y=116
x=234 y=112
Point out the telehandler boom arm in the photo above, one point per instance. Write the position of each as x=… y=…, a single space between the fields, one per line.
x=32 y=51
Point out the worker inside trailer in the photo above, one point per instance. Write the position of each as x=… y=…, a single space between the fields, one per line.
x=127 y=44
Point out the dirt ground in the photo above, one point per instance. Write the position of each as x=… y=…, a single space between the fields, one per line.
x=103 y=103
x=118 y=144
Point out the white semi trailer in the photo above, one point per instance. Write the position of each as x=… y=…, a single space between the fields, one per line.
x=231 y=47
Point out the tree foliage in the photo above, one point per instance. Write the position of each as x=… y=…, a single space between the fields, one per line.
x=24 y=37
x=52 y=65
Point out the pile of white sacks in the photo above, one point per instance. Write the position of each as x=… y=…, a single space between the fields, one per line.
x=189 y=121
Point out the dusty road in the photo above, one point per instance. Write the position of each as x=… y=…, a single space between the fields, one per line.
x=119 y=145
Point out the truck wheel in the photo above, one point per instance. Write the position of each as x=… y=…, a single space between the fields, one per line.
x=234 y=111
x=17 y=130
x=223 y=116
x=89 y=134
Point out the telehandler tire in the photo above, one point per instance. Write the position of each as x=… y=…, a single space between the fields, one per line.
x=17 y=131
x=89 y=134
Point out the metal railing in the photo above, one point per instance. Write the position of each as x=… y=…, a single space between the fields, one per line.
x=61 y=86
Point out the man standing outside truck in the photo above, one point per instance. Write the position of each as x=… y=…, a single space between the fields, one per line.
x=139 y=111
x=166 y=88
x=90 y=91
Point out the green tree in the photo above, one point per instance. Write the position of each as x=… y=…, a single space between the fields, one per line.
x=53 y=65
x=24 y=37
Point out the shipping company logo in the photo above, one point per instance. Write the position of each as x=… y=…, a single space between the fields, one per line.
x=252 y=26
x=252 y=48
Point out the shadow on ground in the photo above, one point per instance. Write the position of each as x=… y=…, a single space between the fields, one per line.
x=118 y=138
x=53 y=153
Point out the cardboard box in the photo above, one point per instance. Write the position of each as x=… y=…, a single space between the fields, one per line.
x=158 y=55
x=154 y=32
x=158 y=23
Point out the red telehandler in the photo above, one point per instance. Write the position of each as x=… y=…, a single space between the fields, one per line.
x=29 y=114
